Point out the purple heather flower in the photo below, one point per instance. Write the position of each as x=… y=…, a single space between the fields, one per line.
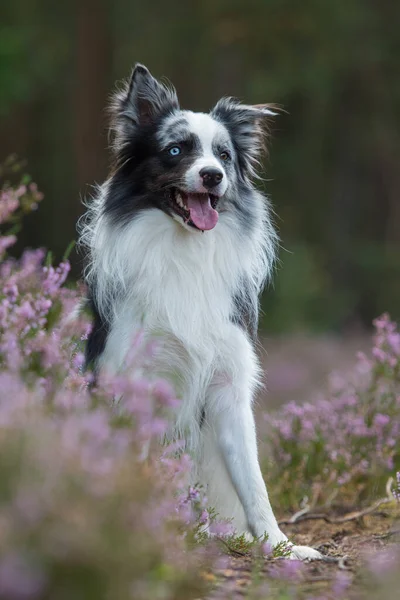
x=6 y=242
x=341 y=583
x=165 y=393
x=287 y=570
x=19 y=579
x=267 y=549
x=381 y=420
x=383 y=562
x=379 y=354
x=221 y=528
x=204 y=517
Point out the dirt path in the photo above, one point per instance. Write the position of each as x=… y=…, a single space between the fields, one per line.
x=245 y=574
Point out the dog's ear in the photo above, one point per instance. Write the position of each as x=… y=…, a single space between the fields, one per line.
x=140 y=102
x=147 y=98
x=247 y=125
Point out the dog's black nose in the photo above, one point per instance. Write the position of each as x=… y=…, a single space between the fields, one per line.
x=211 y=176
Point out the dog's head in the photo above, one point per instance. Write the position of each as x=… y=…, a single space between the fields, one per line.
x=184 y=163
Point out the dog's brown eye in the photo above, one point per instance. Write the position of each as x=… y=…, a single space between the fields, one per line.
x=224 y=156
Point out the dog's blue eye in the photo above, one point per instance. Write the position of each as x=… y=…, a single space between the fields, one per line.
x=174 y=150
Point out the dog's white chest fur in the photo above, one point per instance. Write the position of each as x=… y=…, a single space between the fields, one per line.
x=179 y=284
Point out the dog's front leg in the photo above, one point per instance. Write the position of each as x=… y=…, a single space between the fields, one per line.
x=229 y=413
x=234 y=428
x=233 y=423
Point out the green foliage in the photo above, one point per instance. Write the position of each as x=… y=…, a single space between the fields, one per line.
x=28 y=30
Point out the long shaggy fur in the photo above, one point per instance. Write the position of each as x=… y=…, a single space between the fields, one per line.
x=179 y=243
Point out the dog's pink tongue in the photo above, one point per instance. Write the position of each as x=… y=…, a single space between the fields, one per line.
x=201 y=212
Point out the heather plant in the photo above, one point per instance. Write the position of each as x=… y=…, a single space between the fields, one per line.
x=91 y=506
x=379 y=574
x=345 y=444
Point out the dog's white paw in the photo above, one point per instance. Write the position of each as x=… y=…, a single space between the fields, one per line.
x=305 y=553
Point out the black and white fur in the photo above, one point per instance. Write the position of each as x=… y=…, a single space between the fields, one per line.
x=151 y=267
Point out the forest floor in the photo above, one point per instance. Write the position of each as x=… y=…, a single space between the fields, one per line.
x=298 y=369
x=349 y=542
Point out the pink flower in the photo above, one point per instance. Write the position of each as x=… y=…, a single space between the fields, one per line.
x=379 y=354
x=267 y=549
x=221 y=528
x=287 y=570
x=383 y=562
x=381 y=420
x=26 y=311
x=341 y=583
x=165 y=393
x=19 y=578
x=393 y=340
x=6 y=242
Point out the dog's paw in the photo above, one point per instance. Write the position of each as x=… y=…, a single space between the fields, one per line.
x=305 y=553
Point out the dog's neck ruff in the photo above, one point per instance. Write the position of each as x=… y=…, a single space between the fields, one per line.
x=152 y=273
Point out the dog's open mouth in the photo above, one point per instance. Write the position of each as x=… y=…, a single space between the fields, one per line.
x=197 y=210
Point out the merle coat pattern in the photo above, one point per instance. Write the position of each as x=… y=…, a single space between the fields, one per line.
x=179 y=243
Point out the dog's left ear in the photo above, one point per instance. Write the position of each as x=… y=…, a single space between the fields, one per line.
x=140 y=102
x=247 y=125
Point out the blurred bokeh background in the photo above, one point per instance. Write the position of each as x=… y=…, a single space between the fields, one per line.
x=334 y=167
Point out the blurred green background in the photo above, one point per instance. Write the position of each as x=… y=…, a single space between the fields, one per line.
x=334 y=166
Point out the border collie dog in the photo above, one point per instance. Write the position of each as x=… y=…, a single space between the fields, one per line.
x=179 y=245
